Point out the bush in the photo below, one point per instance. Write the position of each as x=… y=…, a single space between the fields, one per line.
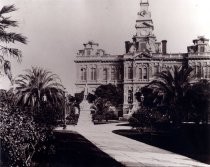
x=21 y=138
x=147 y=118
x=140 y=119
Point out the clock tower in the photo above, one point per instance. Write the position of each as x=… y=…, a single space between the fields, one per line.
x=144 y=40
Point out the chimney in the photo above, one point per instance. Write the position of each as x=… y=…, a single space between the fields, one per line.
x=164 y=47
x=127 y=46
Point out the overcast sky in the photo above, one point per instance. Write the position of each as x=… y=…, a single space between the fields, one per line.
x=56 y=29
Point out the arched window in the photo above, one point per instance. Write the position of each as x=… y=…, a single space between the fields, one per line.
x=205 y=72
x=199 y=73
x=112 y=74
x=88 y=52
x=140 y=73
x=156 y=70
x=83 y=74
x=208 y=71
x=93 y=74
x=105 y=74
x=144 y=73
x=130 y=73
x=202 y=49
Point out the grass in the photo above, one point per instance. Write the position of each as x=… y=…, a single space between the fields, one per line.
x=190 y=140
x=73 y=150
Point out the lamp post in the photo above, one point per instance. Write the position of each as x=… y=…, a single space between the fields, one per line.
x=65 y=103
x=142 y=99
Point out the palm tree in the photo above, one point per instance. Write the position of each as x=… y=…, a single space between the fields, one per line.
x=174 y=84
x=40 y=90
x=9 y=37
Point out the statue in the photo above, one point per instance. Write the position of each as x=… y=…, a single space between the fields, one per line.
x=86 y=92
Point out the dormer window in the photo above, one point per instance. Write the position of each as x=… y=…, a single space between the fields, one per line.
x=88 y=52
x=143 y=46
x=202 y=49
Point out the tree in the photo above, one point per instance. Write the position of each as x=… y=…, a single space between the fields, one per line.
x=91 y=98
x=151 y=97
x=79 y=97
x=174 y=84
x=198 y=101
x=41 y=91
x=27 y=124
x=110 y=93
x=106 y=96
x=9 y=37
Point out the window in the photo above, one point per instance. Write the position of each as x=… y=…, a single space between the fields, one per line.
x=93 y=74
x=144 y=73
x=130 y=96
x=140 y=73
x=83 y=74
x=112 y=74
x=119 y=74
x=88 y=52
x=199 y=71
x=130 y=73
x=205 y=72
x=105 y=74
x=143 y=46
x=202 y=49
x=208 y=72
x=156 y=70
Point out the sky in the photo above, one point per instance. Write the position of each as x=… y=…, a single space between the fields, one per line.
x=57 y=29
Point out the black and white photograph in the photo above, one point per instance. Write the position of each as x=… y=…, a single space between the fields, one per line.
x=104 y=83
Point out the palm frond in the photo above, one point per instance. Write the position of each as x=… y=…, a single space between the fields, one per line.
x=37 y=83
x=12 y=37
x=5 y=22
x=15 y=53
x=7 y=9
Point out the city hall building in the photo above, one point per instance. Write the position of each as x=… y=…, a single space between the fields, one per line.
x=144 y=57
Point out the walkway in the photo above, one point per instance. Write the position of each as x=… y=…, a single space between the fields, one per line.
x=129 y=152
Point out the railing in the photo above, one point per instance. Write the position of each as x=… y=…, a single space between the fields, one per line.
x=197 y=55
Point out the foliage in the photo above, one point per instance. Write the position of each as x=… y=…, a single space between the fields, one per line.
x=140 y=119
x=174 y=99
x=91 y=98
x=110 y=93
x=198 y=100
x=174 y=85
x=72 y=110
x=79 y=97
x=102 y=110
x=104 y=97
x=9 y=37
x=40 y=91
x=27 y=123
x=21 y=138
x=18 y=137
x=152 y=98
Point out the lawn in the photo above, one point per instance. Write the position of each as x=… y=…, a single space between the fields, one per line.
x=73 y=150
x=190 y=140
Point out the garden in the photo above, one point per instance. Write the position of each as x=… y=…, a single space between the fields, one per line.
x=173 y=114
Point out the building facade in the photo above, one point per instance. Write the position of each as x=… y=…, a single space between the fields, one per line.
x=144 y=57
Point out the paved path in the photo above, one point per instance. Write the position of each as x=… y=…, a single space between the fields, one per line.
x=129 y=152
